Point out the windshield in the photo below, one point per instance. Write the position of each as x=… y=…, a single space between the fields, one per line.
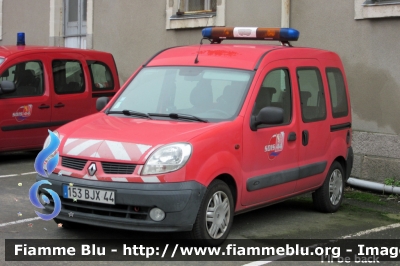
x=213 y=94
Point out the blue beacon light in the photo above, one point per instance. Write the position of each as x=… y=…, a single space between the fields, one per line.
x=217 y=34
x=20 y=38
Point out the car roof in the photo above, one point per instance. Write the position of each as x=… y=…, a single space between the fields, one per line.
x=241 y=56
x=8 y=50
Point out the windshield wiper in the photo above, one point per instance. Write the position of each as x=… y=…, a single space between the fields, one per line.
x=180 y=116
x=131 y=113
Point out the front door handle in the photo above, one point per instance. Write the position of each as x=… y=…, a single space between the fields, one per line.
x=44 y=106
x=59 y=105
x=305 y=137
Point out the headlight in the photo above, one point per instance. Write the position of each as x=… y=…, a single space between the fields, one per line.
x=168 y=158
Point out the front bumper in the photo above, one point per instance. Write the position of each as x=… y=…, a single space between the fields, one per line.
x=133 y=201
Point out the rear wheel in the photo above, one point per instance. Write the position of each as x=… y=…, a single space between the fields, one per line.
x=329 y=197
x=215 y=216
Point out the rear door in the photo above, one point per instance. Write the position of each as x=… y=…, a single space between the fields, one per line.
x=25 y=115
x=270 y=153
x=70 y=90
x=314 y=135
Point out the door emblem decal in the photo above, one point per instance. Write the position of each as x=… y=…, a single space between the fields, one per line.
x=23 y=113
x=275 y=146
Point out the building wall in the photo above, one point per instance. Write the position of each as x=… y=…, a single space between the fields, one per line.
x=368 y=49
x=24 y=16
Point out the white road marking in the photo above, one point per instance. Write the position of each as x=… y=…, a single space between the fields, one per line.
x=30 y=173
x=361 y=233
x=20 y=221
x=3 y=176
x=373 y=230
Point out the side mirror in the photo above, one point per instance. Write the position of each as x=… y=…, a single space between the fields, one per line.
x=101 y=103
x=267 y=116
x=7 y=86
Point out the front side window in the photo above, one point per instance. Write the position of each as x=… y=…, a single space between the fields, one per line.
x=27 y=77
x=337 y=91
x=213 y=94
x=275 y=92
x=312 y=97
x=101 y=76
x=68 y=77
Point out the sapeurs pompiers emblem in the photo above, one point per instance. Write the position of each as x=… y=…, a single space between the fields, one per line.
x=46 y=161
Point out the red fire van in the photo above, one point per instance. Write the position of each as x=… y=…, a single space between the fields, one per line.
x=43 y=88
x=200 y=133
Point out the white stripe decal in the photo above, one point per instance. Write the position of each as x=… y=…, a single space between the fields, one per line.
x=62 y=172
x=90 y=177
x=80 y=148
x=143 y=148
x=118 y=150
x=119 y=179
x=70 y=141
x=150 y=179
x=95 y=155
x=20 y=221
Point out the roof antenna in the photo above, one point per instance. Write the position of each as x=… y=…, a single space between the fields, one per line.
x=196 y=60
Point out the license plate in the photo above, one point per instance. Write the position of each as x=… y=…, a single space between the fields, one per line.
x=89 y=194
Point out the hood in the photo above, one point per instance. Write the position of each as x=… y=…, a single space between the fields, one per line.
x=124 y=138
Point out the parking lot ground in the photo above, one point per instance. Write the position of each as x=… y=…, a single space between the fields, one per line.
x=362 y=216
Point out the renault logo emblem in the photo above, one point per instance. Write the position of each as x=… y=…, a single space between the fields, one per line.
x=92 y=169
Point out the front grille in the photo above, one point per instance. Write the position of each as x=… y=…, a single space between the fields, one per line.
x=118 y=168
x=73 y=163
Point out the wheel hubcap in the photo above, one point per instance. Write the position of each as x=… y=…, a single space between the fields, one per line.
x=335 y=186
x=218 y=214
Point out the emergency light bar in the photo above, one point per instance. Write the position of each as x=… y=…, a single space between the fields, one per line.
x=217 y=34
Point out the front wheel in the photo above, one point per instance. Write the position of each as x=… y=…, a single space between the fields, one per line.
x=215 y=216
x=329 y=197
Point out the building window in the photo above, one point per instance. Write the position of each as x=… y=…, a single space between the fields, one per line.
x=367 y=9
x=187 y=6
x=195 y=13
x=75 y=23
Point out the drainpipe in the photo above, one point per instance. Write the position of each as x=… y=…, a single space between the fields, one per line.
x=285 y=17
x=373 y=186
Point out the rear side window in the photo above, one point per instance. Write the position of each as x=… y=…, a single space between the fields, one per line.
x=27 y=77
x=102 y=78
x=68 y=77
x=312 y=98
x=337 y=92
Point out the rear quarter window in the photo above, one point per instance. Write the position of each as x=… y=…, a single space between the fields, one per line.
x=101 y=75
x=337 y=91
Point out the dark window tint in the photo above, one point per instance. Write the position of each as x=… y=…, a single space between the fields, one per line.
x=28 y=79
x=312 y=98
x=275 y=91
x=102 y=78
x=68 y=77
x=337 y=91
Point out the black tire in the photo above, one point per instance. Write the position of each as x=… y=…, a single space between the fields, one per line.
x=330 y=195
x=222 y=222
